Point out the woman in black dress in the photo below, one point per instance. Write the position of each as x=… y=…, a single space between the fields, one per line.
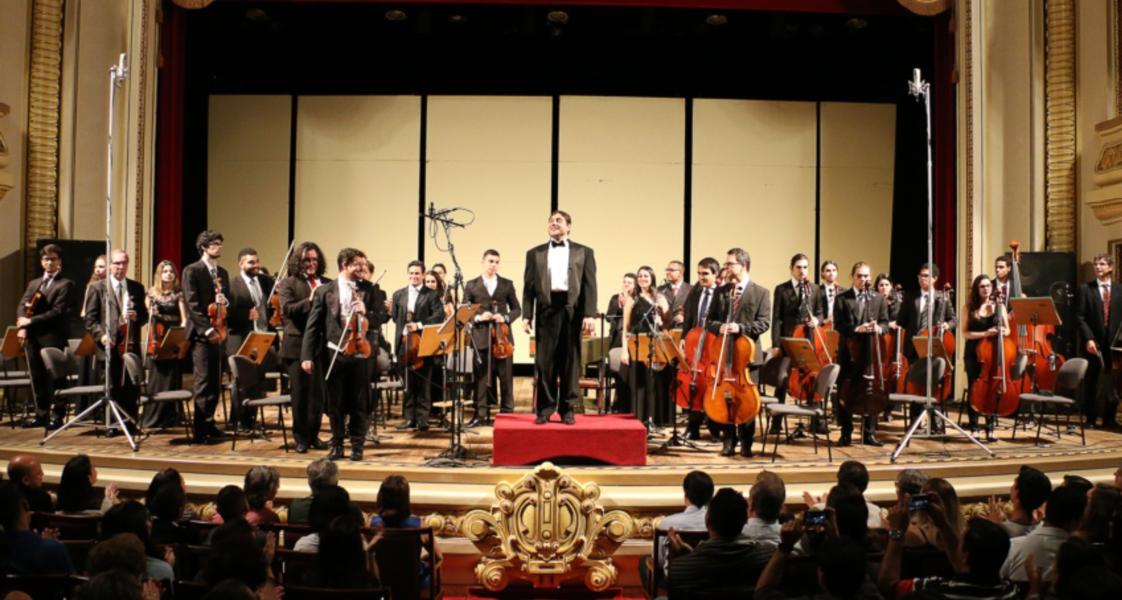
x=980 y=323
x=614 y=314
x=646 y=310
x=166 y=304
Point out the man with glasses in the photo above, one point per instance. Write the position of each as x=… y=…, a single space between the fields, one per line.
x=41 y=319
x=205 y=283
x=676 y=291
x=694 y=314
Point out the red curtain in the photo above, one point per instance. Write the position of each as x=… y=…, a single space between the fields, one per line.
x=168 y=229
x=943 y=149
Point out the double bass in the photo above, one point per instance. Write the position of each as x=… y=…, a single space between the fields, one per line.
x=867 y=394
x=733 y=398
x=824 y=339
x=1034 y=341
x=996 y=392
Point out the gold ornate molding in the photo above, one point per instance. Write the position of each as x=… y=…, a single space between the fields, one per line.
x=140 y=200
x=7 y=181
x=545 y=529
x=1106 y=199
x=44 y=104
x=966 y=27
x=1059 y=125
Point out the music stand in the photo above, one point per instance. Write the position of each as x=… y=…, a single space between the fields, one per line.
x=920 y=343
x=667 y=349
x=801 y=352
x=256 y=345
x=1032 y=312
x=449 y=338
x=86 y=347
x=11 y=346
x=172 y=346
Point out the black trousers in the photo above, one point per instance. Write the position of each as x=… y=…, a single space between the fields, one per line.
x=558 y=357
x=40 y=379
x=418 y=395
x=500 y=385
x=207 y=370
x=122 y=390
x=347 y=393
x=307 y=400
x=1100 y=397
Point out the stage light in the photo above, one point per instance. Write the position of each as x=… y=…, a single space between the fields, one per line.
x=557 y=17
x=457 y=19
x=396 y=15
x=716 y=20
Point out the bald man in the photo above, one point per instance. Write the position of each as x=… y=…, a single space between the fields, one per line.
x=26 y=472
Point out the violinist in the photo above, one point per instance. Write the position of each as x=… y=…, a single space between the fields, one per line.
x=644 y=312
x=981 y=323
x=100 y=269
x=614 y=315
x=41 y=319
x=676 y=291
x=88 y=371
x=115 y=311
x=751 y=310
x=694 y=313
x=1099 y=313
x=830 y=289
x=796 y=302
x=441 y=274
x=248 y=312
x=339 y=306
x=498 y=306
x=206 y=284
x=306 y=267
x=434 y=280
x=166 y=308
x=413 y=307
x=858 y=314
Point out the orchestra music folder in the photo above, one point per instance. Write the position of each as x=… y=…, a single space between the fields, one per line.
x=11 y=347
x=464 y=314
x=801 y=352
x=1035 y=311
x=435 y=343
x=86 y=347
x=173 y=345
x=937 y=349
x=256 y=345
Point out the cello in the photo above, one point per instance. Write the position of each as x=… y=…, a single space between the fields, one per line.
x=867 y=394
x=824 y=339
x=1035 y=341
x=946 y=336
x=733 y=398
x=996 y=392
x=694 y=380
x=898 y=365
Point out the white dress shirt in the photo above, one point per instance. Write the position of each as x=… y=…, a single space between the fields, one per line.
x=411 y=304
x=491 y=283
x=345 y=292
x=559 y=267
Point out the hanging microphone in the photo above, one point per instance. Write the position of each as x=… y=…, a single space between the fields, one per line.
x=917 y=86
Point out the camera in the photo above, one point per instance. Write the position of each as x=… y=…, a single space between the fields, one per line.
x=816 y=519
x=920 y=502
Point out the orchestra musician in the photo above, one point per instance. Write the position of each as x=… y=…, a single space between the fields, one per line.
x=676 y=291
x=857 y=314
x=306 y=268
x=205 y=283
x=41 y=319
x=498 y=304
x=694 y=313
x=88 y=371
x=100 y=269
x=796 y=302
x=912 y=317
x=1099 y=314
x=441 y=273
x=614 y=315
x=884 y=286
x=559 y=294
x=830 y=289
x=644 y=312
x=117 y=301
x=981 y=322
x=165 y=305
x=248 y=312
x=415 y=306
x=338 y=306
x=1003 y=269
x=751 y=316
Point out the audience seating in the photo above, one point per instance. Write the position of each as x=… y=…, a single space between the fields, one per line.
x=42 y=587
x=398 y=556
x=300 y=592
x=70 y=527
x=654 y=584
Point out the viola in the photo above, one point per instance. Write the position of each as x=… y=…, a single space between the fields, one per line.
x=502 y=345
x=694 y=380
x=273 y=302
x=996 y=392
x=867 y=394
x=157 y=329
x=800 y=382
x=733 y=398
x=275 y=314
x=412 y=340
x=216 y=312
x=947 y=338
x=355 y=340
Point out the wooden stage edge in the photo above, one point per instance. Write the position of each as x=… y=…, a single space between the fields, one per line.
x=651 y=489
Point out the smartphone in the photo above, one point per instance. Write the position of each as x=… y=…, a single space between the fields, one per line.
x=815 y=519
x=919 y=502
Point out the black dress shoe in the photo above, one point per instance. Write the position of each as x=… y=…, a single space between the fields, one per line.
x=541 y=420
x=210 y=430
x=301 y=447
x=693 y=436
x=54 y=424
x=317 y=444
x=410 y=424
x=474 y=422
x=871 y=440
x=729 y=447
x=36 y=422
x=569 y=419
x=356 y=454
x=746 y=450
x=845 y=440
x=423 y=426
x=336 y=452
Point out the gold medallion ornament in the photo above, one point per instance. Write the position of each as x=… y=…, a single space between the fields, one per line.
x=545 y=529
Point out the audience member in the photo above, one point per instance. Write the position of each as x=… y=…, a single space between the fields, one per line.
x=1102 y=502
x=909 y=482
x=172 y=480
x=725 y=561
x=76 y=492
x=922 y=531
x=132 y=517
x=122 y=551
x=343 y=560
x=230 y=505
x=25 y=471
x=117 y=584
x=841 y=567
x=330 y=503
x=236 y=554
x=394 y=509
x=1062 y=514
x=697 y=487
x=1029 y=492
x=854 y=473
x=765 y=503
x=261 y=486
x=322 y=472
x=230 y=589
x=27 y=552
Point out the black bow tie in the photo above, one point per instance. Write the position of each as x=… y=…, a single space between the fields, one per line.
x=553 y=244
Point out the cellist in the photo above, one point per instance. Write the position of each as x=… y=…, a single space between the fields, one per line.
x=795 y=302
x=1099 y=313
x=857 y=314
x=499 y=304
x=914 y=311
x=751 y=317
x=981 y=323
x=694 y=313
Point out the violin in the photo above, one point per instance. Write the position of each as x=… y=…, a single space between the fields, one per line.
x=355 y=340
x=275 y=319
x=273 y=302
x=502 y=346
x=947 y=338
x=412 y=341
x=1035 y=341
x=996 y=392
x=694 y=380
x=867 y=394
x=733 y=398
x=800 y=382
x=217 y=313
x=157 y=329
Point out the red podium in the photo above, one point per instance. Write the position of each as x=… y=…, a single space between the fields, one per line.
x=611 y=439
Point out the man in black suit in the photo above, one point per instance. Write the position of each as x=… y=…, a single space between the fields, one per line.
x=348 y=384
x=751 y=316
x=830 y=290
x=676 y=291
x=913 y=310
x=248 y=312
x=46 y=300
x=415 y=306
x=499 y=305
x=695 y=311
x=796 y=302
x=1099 y=314
x=115 y=300
x=860 y=312
x=205 y=283
x=305 y=273
x=559 y=294
x=1002 y=269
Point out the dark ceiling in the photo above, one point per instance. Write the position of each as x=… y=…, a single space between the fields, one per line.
x=367 y=48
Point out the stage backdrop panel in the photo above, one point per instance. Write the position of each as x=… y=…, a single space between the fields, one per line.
x=753 y=184
x=490 y=154
x=858 y=147
x=247 y=176
x=621 y=178
x=357 y=170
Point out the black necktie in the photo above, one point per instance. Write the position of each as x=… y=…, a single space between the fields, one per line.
x=704 y=313
x=553 y=244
